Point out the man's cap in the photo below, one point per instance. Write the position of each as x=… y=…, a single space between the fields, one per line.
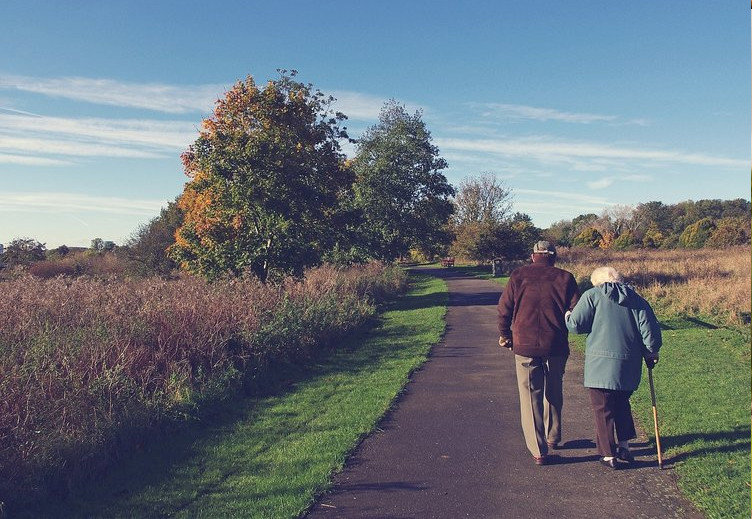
x=544 y=247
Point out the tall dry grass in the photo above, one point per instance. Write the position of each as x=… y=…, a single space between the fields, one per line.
x=89 y=366
x=710 y=282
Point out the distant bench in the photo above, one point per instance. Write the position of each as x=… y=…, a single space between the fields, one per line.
x=447 y=262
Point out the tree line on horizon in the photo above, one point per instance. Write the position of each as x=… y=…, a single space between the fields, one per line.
x=270 y=192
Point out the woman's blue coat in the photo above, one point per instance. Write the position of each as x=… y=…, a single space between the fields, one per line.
x=621 y=328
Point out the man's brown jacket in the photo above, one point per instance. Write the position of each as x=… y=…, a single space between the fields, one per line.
x=531 y=310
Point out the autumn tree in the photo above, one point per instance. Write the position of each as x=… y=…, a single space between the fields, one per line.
x=266 y=175
x=653 y=237
x=481 y=206
x=652 y=223
x=482 y=224
x=588 y=237
x=695 y=235
x=560 y=233
x=730 y=232
x=400 y=189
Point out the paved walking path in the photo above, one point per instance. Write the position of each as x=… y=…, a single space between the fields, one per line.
x=453 y=447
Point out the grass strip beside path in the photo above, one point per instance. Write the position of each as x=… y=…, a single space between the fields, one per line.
x=269 y=457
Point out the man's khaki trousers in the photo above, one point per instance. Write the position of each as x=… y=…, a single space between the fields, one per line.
x=539 y=381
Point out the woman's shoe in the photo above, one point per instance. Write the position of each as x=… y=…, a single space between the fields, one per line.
x=624 y=455
x=610 y=463
x=541 y=460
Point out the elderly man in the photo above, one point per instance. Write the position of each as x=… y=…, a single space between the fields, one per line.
x=531 y=323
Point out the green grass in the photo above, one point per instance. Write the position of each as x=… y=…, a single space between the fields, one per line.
x=702 y=386
x=270 y=456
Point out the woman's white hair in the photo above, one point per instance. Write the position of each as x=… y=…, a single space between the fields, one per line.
x=605 y=275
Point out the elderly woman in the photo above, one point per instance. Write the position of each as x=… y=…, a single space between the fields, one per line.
x=622 y=330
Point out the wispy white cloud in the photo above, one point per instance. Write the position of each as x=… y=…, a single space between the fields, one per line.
x=601 y=183
x=53 y=147
x=75 y=202
x=31 y=160
x=512 y=111
x=21 y=112
x=552 y=204
x=605 y=182
x=175 y=99
x=38 y=140
x=156 y=133
x=546 y=195
x=588 y=154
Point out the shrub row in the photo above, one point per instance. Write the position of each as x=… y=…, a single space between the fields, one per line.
x=89 y=367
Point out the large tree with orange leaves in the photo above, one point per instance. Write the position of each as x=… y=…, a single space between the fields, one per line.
x=266 y=178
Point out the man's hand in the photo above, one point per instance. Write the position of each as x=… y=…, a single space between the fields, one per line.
x=505 y=342
x=651 y=361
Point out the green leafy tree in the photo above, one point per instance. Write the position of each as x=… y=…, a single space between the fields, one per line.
x=625 y=240
x=266 y=178
x=58 y=253
x=400 y=189
x=737 y=208
x=97 y=245
x=730 y=232
x=523 y=235
x=589 y=237
x=696 y=234
x=560 y=233
x=146 y=249
x=100 y=246
x=23 y=251
x=511 y=238
x=582 y=222
x=653 y=237
x=652 y=223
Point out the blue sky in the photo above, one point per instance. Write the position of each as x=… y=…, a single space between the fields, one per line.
x=576 y=106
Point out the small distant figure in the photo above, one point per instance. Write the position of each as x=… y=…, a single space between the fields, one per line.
x=447 y=262
x=622 y=330
x=531 y=324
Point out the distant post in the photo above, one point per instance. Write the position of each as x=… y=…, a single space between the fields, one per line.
x=496 y=267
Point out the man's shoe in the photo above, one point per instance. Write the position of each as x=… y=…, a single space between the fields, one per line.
x=610 y=463
x=540 y=460
x=624 y=455
x=552 y=445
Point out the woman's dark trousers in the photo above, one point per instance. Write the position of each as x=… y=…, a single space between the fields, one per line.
x=611 y=410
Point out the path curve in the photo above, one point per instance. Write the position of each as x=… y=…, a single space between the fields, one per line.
x=452 y=445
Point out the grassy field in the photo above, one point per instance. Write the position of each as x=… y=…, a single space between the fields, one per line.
x=702 y=381
x=269 y=456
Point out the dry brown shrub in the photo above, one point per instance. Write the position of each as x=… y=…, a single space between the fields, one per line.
x=87 y=359
x=709 y=282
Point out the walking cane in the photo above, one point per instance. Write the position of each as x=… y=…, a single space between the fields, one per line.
x=655 y=418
